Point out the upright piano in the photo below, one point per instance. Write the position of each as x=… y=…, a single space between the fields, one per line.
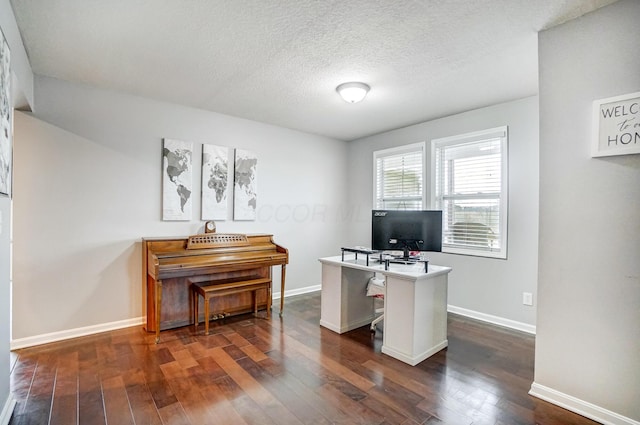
x=171 y=265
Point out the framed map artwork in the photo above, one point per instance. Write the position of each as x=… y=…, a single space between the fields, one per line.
x=245 y=185
x=215 y=182
x=5 y=118
x=177 y=180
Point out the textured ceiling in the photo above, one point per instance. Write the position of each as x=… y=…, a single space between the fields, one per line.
x=279 y=61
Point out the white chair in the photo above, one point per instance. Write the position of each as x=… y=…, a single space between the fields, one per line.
x=376 y=288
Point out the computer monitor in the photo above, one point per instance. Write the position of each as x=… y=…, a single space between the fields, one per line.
x=393 y=230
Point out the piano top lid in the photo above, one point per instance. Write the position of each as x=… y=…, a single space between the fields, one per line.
x=167 y=247
x=217 y=240
x=171 y=252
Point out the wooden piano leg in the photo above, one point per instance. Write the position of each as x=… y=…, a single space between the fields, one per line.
x=269 y=299
x=284 y=271
x=254 y=301
x=196 y=302
x=158 y=307
x=207 y=301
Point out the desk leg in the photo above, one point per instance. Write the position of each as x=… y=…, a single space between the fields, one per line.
x=344 y=305
x=158 y=307
x=284 y=271
x=415 y=318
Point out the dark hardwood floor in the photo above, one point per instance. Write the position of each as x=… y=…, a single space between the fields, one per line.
x=279 y=371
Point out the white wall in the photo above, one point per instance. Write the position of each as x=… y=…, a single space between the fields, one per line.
x=22 y=95
x=5 y=320
x=88 y=188
x=588 y=339
x=484 y=286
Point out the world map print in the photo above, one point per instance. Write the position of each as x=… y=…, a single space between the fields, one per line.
x=245 y=185
x=5 y=117
x=177 y=184
x=215 y=177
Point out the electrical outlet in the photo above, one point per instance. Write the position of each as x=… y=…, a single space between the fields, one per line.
x=527 y=298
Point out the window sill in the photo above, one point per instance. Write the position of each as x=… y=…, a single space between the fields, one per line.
x=501 y=255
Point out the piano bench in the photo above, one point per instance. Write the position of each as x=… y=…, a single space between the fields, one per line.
x=219 y=288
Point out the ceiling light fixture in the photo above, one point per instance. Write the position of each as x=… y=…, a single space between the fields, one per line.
x=353 y=92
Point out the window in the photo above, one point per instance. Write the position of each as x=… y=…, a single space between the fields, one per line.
x=399 y=178
x=469 y=185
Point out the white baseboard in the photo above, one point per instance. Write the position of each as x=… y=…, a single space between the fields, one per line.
x=73 y=333
x=138 y=321
x=7 y=410
x=403 y=357
x=580 y=407
x=347 y=327
x=496 y=320
x=299 y=291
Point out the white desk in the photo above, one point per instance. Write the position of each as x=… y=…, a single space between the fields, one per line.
x=415 y=304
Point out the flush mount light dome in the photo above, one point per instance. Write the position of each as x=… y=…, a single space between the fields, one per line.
x=353 y=92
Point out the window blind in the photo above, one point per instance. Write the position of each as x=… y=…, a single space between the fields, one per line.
x=470 y=189
x=399 y=178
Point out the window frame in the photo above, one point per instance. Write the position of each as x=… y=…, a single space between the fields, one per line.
x=397 y=151
x=437 y=202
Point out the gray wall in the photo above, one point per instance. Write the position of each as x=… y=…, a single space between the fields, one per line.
x=588 y=339
x=484 y=287
x=88 y=188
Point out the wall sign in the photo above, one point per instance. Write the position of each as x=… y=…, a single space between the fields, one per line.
x=616 y=125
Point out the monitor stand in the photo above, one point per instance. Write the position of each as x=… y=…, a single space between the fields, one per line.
x=406 y=258
x=401 y=260
x=406 y=262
